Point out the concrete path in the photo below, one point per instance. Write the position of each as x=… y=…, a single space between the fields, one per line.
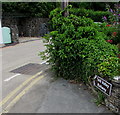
x=64 y=97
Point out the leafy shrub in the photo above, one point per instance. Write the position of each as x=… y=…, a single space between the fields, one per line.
x=77 y=47
x=100 y=98
x=106 y=29
x=114 y=21
x=94 y=15
x=116 y=38
x=28 y=9
x=109 y=67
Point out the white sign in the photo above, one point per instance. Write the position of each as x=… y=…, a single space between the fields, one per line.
x=102 y=85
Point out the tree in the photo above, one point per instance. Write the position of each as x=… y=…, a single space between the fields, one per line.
x=36 y=9
x=92 y=5
x=64 y=4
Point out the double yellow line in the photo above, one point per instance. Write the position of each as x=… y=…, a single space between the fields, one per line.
x=6 y=99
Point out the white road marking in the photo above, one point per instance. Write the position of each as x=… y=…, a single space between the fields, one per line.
x=44 y=61
x=8 y=79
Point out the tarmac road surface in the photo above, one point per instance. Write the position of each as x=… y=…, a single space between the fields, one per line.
x=28 y=84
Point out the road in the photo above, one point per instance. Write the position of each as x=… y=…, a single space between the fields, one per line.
x=28 y=85
x=19 y=63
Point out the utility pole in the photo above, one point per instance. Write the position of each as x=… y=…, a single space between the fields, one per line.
x=64 y=4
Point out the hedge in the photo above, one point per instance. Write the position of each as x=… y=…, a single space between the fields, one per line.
x=94 y=15
x=78 y=49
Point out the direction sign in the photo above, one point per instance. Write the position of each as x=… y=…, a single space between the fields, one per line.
x=102 y=85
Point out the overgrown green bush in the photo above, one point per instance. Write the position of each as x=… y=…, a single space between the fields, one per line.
x=114 y=21
x=28 y=9
x=106 y=29
x=116 y=39
x=77 y=47
x=94 y=15
x=108 y=67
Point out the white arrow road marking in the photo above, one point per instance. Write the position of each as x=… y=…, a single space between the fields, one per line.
x=8 y=79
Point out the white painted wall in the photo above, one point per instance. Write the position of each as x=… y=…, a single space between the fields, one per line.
x=1 y=38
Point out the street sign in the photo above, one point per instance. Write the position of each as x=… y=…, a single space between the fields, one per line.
x=102 y=85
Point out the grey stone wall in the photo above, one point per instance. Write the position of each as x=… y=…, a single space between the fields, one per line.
x=8 y=21
x=113 y=102
x=32 y=27
x=26 y=27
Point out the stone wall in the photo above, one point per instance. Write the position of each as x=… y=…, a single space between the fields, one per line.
x=25 y=27
x=32 y=27
x=112 y=102
x=8 y=21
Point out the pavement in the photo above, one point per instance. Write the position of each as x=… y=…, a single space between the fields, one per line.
x=29 y=85
x=64 y=97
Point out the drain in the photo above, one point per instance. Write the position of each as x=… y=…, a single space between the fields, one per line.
x=30 y=69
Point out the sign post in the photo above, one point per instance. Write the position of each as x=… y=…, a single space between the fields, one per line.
x=102 y=85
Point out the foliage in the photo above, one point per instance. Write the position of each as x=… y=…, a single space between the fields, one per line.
x=115 y=12
x=76 y=47
x=110 y=67
x=106 y=29
x=94 y=15
x=96 y=6
x=30 y=9
x=117 y=37
x=114 y=20
x=100 y=98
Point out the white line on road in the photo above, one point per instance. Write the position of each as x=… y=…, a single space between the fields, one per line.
x=44 y=61
x=8 y=79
